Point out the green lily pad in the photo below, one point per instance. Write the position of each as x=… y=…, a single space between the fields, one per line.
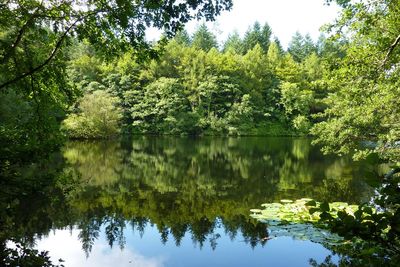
x=296 y=218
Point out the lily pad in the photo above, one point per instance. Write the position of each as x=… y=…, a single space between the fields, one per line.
x=295 y=219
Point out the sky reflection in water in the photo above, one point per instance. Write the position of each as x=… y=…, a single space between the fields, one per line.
x=148 y=251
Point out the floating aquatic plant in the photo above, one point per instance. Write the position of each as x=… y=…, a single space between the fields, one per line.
x=300 y=219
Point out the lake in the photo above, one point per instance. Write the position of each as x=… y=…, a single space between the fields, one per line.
x=176 y=201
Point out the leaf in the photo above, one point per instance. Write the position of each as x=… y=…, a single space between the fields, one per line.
x=313 y=210
x=358 y=214
x=368 y=210
x=325 y=216
x=341 y=214
x=312 y=203
x=324 y=206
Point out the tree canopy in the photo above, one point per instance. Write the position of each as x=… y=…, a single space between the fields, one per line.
x=195 y=88
x=362 y=118
x=36 y=38
x=364 y=103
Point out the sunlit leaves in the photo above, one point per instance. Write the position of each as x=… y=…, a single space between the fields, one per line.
x=363 y=104
x=204 y=39
x=99 y=117
x=163 y=109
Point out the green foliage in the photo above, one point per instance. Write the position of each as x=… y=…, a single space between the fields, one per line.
x=22 y=256
x=241 y=114
x=257 y=35
x=294 y=218
x=98 y=117
x=182 y=37
x=294 y=100
x=193 y=88
x=303 y=210
x=32 y=105
x=274 y=56
x=367 y=234
x=301 y=124
x=107 y=25
x=372 y=239
x=28 y=124
x=233 y=43
x=163 y=108
x=204 y=39
x=374 y=233
x=50 y=51
x=301 y=46
x=362 y=108
x=363 y=104
x=273 y=129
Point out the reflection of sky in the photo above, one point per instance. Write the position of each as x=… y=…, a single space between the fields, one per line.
x=148 y=251
x=66 y=245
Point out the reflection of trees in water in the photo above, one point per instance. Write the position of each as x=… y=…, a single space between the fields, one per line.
x=184 y=185
x=209 y=165
x=201 y=231
x=31 y=195
x=32 y=201
x=340 y=180
x=172 y=216
x=97 y=162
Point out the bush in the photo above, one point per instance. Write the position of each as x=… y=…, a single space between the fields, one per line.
x=99 y=117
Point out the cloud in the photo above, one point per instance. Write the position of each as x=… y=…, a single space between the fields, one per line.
x=65 y=244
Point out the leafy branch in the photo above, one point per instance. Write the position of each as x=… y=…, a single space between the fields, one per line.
x=390 y=51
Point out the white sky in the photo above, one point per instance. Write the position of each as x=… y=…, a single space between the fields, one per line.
x=285 y=17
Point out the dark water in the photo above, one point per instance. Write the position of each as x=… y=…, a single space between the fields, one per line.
x=166 y=201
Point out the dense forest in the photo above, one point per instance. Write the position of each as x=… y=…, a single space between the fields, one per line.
x=58 y=80
x=59 y=66
x=84 y=70
x=247 y=86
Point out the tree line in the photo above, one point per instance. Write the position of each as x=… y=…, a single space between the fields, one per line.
x=58 y=59
x=248 y=86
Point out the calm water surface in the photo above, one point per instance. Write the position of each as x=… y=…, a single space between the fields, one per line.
x=167 y=201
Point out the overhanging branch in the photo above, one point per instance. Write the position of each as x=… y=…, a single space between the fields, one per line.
x=53 y=53
x=390 y=51
x=21 y=32
x=43 y=64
